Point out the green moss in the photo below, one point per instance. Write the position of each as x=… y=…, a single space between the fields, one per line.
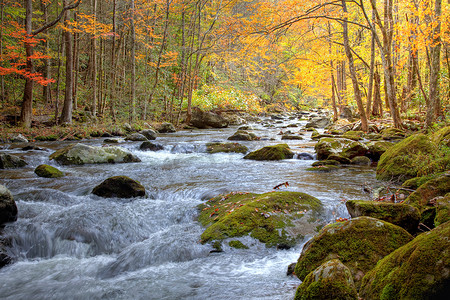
x=327 y=162
x=442 y=137
x=49 y=137
x=226 y=148
x=237 y=245
x=415 y=182
x=359 y=243
x=442 y=210
x=276 y=152
x=340 y=146
x=429 y=190
x=266 y=217
x=48 y=171
x=417 y=270
x=353 y=135
x=393 y=134
x=324 y=168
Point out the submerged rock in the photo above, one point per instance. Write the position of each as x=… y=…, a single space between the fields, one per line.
x=48 y=171
x=278 y=219
x=8 y=208
x=291 y=137
x=359 y=243
x=277 y=152
x=151 y=146
x=226 y=148
x=79 y=154
x=361 y=161
x=120 y=187
x=417 y=270
x=331 y=280
x=400 y=214
x=8 y=161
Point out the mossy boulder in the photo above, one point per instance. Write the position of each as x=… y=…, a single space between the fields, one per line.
x=442 y=210
x=361 y=161
x=8 y=161
x=276 y=152
x=79 y=154
x=166 y=127
x=391 y=133
x=136 y=137
x=415 y=182
x=8 y=208
x=242 y=135
x=340 y=159
x=359 y=243
x=442 y=137
x=400 y=214
x=323 y=168
x=226 y=148
x=278 y=219
x=48 y=171
x=417 y=270
x=377 y=148
x=120 y=187
x=207 y=119
x=439 y=186
x=344 y=147
x=237 y=244
x=291 y=137
x=353 y=135
x=150 y=134
x=318 y=122
x=327 y=162
x=400 y=162
x=331 y=280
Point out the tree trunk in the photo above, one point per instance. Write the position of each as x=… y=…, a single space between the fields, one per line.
x=133 y=66
x=94 y=63
x=371 y=72
x=46 y=92
x=66 y=115
x=27 y=103
x=351 y=67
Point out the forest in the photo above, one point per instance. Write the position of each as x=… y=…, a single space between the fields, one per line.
x=63 y=62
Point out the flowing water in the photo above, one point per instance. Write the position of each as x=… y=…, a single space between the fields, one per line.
x=70 y=244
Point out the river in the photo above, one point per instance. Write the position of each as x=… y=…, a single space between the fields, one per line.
x=70 y=244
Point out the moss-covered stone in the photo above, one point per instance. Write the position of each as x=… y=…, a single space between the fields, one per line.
x=120 y=187
x=415 y=182
x=8 y=161
x=291 y=137
x=166 y=127
x=377 y=148
x=242 y=135
x=442 y=137
x=353 y=135
x=276 y=152
x=359 y=243
x=399 y=161
x=340 y=159
x=237 y=244
x=48 y=171
x=361 y=161
x=323 y=168
x=226 y=148
x=326 y=162
x=417 y=270
x=275 y=218
x=442 y=210
x=429 y=190
x=136 y=137
x=400 y=214
x=393 y=134
x=332 y=280
x=345 y=147
x=79 y=154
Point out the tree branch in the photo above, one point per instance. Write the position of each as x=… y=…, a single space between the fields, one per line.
x=53 y=23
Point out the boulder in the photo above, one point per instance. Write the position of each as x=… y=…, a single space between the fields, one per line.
x=305 y=156
x=276 y=152
x=233 y=119
x=8 y=161
x=417 y=270
x=237 y=245
x=359 y=243
x=226 y=148
x=399 y=161
x=442 y=137
x=205 y=119
x=291 y=137
x=136 y=137
x=393 y=134
x=327 y=162
x=166 y=127
x=4 y=257
x=442 y=209
x=377 y=148
x=346 y=113
x=277 y=219
x=431 y=189
x=8 y=208
x=120 y=187
x=400 y=214
x=19 y=138
x=79 y=154
x=323 y=168
x=361 y=161
x=339 y=158
x=331 y=280
x=318 y=122
x=48 y=171
x=353 y=135
x=149 y=146
x=150 y=134
x=242 y=135
x=344 y=147
x=113 y=141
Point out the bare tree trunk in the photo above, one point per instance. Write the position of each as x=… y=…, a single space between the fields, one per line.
x=2 y=79
x=76 y=65
x=377 y=109
x=27 y=103
x=112 y=92
x=58 y=79
x=133 y=66
x=46 y=92
x=351 y=67
x=94 y=63
x=66 y=115
x=371 y=72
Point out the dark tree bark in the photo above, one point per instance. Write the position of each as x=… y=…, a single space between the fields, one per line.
x=66 y=115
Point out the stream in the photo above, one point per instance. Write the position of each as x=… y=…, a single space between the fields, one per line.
x=70 y=244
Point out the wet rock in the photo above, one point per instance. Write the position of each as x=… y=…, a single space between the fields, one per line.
x=4 y=257
x=361 y=161
x=242 y=135
x=237 y=245
x=331 y=280
x=344 y=147
x=291 y=270
x=19 y=138
x=291 y=137
x=226 y=148
x=32 y=148
x=8 y=161
x=305 y=156
x=399 y=161
x=377 y=148
x=48 y=171
x=323 y=168
x=353 y=135
x=359 y=243
x=136 y=137
x=327 y=162
x=150 y=134
x=400 y=214
x=277 y=152
x=166 y=127
x=79 y=154
x=318 y=122
x=417 y=270
x=346 y=113
x=127 y=128
x=113 y=141
x=275 y=218
x=120 y=187
x=232 y=119
x=205 y=119
x=149 y=146
x=339 y=158
x=246 y=128
x=8 y=208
